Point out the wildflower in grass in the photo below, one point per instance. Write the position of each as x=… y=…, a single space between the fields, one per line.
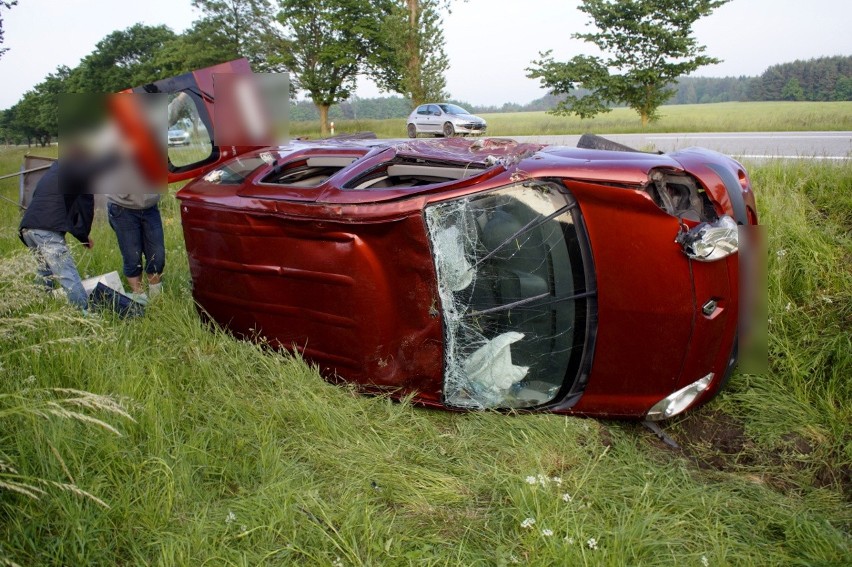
x=569 y=540
x=592 y=543
x=231 y=517
x=530 y=480
x=826 y=298
x=781 y=253
x=704 y=561
x=788 y=307
x=546 y=532
x=338 y=562
x=566 y=497
x=528 y=523
x=556 y=480
x=244 y=528
x=513 y=559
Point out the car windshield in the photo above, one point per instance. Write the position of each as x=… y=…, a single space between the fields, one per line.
x=453 y=109
x=512 y=287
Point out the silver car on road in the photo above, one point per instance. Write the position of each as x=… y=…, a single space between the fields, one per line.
x=443 y=119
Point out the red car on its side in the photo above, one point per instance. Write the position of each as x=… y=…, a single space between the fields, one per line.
x=466 y=274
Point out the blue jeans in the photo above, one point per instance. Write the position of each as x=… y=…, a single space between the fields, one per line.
x=55 y=263
x=139 y=233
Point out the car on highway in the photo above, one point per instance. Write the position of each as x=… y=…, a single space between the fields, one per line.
x=481 y=274
x=443 y=119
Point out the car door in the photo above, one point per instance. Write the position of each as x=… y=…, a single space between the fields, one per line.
x=420 y=117
x=435 y=119
x=191 y=107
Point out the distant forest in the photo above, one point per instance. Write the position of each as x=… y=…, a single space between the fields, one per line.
x=822 y=79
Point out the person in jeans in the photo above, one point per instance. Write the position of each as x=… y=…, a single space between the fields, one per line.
x=135 y=218
x=60 y=204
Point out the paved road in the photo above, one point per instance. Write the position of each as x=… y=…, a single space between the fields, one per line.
x=828 y=146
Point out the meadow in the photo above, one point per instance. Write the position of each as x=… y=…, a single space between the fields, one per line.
x=720 y=117
x=233 y=454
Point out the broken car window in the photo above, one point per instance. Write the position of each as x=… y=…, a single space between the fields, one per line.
x=510 y=279
x=189 y=141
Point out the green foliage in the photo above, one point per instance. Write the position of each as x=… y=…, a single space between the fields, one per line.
x=409 y=57
x=230 y=29
x=793 y=90
x=121 y=60
x=4 y=4
x=649 y=44
x=328 y=40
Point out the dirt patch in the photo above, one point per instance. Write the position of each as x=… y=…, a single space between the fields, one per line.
x=715 y=440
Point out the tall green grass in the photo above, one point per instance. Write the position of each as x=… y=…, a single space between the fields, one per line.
x=243 y=456
x=720 y=117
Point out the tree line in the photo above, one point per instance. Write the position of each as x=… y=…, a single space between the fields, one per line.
x=820 y=79
x=323 y=44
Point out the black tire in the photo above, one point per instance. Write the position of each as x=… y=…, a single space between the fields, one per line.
x=412 y=131
x=448 y=130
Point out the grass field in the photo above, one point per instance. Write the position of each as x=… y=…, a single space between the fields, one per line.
x=721 y=117
x=240 y=456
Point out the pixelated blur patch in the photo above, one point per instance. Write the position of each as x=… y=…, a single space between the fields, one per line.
x=753 y=331
x=251 y=110
x=103 y=134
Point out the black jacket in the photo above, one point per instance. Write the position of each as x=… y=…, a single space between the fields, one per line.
x=63 y=203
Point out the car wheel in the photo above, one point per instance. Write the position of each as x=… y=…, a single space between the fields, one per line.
x=412 y=131
x=449 y=131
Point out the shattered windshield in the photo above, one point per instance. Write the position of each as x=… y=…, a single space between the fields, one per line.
x=511 y=282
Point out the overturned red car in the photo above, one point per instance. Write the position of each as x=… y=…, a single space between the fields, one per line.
x=478 y=274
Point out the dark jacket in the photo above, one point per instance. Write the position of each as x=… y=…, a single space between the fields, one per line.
x=63 y=203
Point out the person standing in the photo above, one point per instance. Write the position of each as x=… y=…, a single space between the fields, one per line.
x=61 y=203
x=138 y=226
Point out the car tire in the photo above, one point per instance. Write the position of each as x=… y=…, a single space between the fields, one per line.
x=448 y=130
x=412 y=131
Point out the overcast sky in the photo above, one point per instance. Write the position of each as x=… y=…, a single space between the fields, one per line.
x=489 y=42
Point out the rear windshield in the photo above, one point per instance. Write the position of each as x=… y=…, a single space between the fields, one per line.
x=235 y=172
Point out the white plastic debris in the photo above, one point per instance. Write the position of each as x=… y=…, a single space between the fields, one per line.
x=490 y=366
x=111 y=280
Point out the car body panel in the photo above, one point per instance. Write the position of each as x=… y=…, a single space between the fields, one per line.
x=346 y=276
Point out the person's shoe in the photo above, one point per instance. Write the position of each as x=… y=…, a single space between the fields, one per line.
x=155 y=289
x=141 y=298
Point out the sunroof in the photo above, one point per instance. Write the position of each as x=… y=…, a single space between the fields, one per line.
x=402 y=174
x=309 y=172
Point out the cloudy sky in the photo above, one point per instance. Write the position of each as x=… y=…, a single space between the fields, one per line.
x=489 y=42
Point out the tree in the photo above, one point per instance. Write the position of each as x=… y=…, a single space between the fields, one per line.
x=4 y=4
x=328 y=40
x=231 y=29
x=122 y=59
x=409 y=58
x=649 y=44
x=792 y=90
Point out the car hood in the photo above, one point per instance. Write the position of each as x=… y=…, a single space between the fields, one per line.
x=467 y=117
